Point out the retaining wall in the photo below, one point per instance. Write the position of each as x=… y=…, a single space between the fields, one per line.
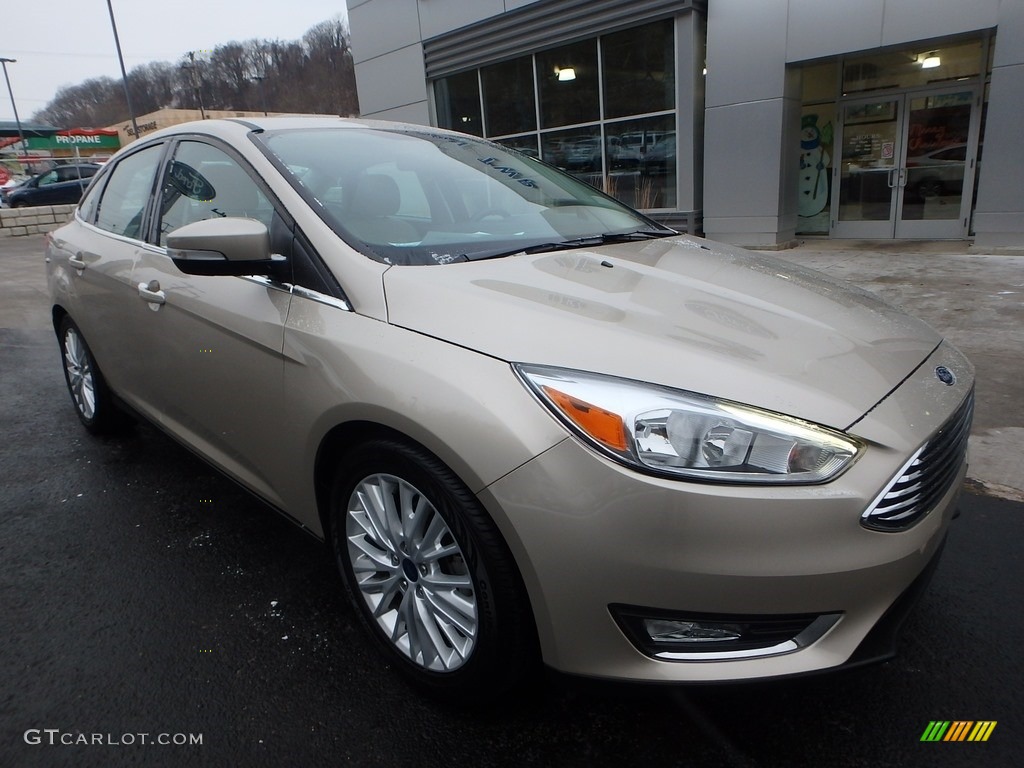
x=30 y=221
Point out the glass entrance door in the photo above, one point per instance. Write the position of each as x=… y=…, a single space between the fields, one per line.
x=907 y=165
x=937 y=177
x=864 y=205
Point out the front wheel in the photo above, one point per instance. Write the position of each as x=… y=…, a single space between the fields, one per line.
x=428 y=572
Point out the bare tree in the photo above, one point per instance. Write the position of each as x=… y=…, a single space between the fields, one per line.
x=95 y=102
x=314 y=74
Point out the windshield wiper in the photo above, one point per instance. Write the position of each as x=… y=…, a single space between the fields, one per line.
x=586 y=241
x=638 y=234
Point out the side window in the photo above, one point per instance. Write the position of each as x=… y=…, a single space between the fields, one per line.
x=87 y=208
x=123 y=204
x=203 y=182
x=72 y=173
x=49 y=178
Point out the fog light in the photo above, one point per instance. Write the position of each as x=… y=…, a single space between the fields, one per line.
x=671 y=636
x=666 y=631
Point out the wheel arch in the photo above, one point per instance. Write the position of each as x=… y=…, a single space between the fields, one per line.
x=344 y=436
x=57 y=315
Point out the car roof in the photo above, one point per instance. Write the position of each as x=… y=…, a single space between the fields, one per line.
x=68 y=165
x=231 y=128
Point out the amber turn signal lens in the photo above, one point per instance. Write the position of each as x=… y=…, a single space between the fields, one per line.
x=604 y=426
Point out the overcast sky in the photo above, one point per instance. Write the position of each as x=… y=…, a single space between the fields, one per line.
x=63 y=42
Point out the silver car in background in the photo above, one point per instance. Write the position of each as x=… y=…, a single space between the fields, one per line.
x=531 y=423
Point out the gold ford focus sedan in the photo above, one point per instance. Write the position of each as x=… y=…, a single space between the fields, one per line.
x=531 y=423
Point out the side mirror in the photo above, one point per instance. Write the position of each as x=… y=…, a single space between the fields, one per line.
x=223 y=246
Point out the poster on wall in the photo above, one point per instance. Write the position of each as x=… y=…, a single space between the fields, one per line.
x=816 y=151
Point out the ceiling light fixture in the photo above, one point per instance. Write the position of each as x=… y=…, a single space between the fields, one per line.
x=931 y=61
x=565 y=73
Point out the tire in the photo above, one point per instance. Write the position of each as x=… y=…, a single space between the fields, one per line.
x=89 y=393
x=428 y=573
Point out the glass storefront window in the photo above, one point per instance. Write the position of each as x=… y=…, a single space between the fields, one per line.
x=525 y=144
x=640 y=157
x=508 y=97
x=633 y=159
x=567 y=79
x=577 y=151
x=458 y=103
x=912 y=67
x=639 y=70
x=818 y=82
x=817 y=154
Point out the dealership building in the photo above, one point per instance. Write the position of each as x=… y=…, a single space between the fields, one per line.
x=752 y=122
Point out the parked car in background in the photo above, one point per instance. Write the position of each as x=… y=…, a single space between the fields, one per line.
x=57 y=186
x=531 y=423
x=8 y=187
x=661 y=158
x=939 y=172
x=584 y=155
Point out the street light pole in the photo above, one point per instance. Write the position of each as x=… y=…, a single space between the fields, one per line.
x=195 y=84
x=21 y=133
x=124 y=75
x=263 y=97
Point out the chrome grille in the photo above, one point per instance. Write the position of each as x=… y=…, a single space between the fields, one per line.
x=927 y=476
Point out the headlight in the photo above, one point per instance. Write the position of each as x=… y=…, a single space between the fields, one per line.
x=682 y=434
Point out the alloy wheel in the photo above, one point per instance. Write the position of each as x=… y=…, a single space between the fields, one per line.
x=78 y=365
x=412 y=573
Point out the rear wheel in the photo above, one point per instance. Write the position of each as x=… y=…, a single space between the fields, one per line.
x=89 y=393
x=428 y=572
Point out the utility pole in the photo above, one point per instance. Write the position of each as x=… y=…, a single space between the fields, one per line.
x=21 y=133
x=195 y=85
x=124 y=74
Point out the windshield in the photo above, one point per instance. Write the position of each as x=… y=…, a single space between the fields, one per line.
x=423 y=196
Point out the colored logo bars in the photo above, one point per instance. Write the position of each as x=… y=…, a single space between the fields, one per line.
x=958 y=730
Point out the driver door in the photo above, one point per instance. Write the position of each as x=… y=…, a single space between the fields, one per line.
x=215 y=343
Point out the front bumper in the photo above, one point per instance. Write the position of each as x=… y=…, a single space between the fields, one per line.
x=589 y=534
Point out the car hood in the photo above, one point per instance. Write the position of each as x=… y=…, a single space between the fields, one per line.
x=680 y=312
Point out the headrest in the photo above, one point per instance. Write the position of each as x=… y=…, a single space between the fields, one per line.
x=376 y=195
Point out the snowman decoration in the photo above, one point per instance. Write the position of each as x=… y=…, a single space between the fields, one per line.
x=814 y=160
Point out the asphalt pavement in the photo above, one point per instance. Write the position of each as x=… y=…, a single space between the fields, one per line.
x=143 y=593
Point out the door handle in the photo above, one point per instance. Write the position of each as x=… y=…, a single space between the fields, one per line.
x=76 y=261
x=151 y=292
x=889 y=177
x=902 y=177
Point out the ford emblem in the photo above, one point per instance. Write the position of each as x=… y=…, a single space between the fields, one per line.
x=945 y=376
